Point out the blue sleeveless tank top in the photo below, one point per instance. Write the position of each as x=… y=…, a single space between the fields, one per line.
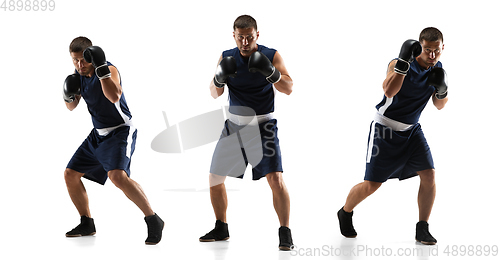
x=250 y=89
x=104 y=113
x=407 y=105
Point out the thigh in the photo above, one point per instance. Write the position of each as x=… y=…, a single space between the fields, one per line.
x=271 y=152
x=85 y=161
x=228 y=158
x=115 y=150
x=421 y=156
x=387 y=153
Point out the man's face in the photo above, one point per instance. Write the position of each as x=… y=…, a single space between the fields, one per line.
x=246 y=40
x=84 y=68
x=431 y=52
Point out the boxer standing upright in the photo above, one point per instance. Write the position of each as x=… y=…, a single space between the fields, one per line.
x=250 y=72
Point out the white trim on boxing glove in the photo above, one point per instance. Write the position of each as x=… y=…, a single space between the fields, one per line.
x=401 y=72
x=441 y=96
x=217 y=83
x=272 y=74
x=103 y=76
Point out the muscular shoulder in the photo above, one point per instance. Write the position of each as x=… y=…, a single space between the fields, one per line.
x=269 y=52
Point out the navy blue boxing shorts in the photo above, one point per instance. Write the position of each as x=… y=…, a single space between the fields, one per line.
x=242 y=144
x=396 y=154
x=98 y=154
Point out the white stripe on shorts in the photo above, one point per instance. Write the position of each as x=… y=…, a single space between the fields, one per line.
x=370 y=143
x=129 y=141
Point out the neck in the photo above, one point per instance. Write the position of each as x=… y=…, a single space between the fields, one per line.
x=90 y=74
x=422 y=64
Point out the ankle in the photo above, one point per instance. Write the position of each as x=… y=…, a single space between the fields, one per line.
x=347 y=210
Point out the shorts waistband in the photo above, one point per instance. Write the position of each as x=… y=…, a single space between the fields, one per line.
x=250 y=120
x=107 y=130
x=391 y=123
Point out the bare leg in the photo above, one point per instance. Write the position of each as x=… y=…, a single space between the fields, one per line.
x=360 y=192
x=77 y=191
x=131 y=189
x=218 y=196
x=426 y=194
x=281 y=199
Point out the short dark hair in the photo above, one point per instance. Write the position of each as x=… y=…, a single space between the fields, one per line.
x=245 y=22
x=431 y=34
x=79 y=44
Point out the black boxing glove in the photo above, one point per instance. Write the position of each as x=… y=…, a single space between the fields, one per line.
x=225 y=69
x=437 y=78
x=95 y=55
x=409 y=51
x=71 y=87
x=258 y=62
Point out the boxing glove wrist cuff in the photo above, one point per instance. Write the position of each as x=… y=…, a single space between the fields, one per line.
x=401 y=67
x=274 y=77
x=442 y=95
x=69 y=99
x=103 y=72
x=218 y=84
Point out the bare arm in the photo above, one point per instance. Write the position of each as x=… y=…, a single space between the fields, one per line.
x=286 y=83
x=215 y=91
x=111 y=86
x=393 y=81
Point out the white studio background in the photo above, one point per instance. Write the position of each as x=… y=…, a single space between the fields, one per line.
x=166 y=51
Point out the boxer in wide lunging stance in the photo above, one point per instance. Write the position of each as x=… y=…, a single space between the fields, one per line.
x=397 y=147
x=109 y=147
x=250 y=72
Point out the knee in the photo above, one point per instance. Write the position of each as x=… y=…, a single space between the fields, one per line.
x=372 y=186
x=72 y=176
x=275 y=180
x=216 y=180
x=118 y=177
x=427 y=176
